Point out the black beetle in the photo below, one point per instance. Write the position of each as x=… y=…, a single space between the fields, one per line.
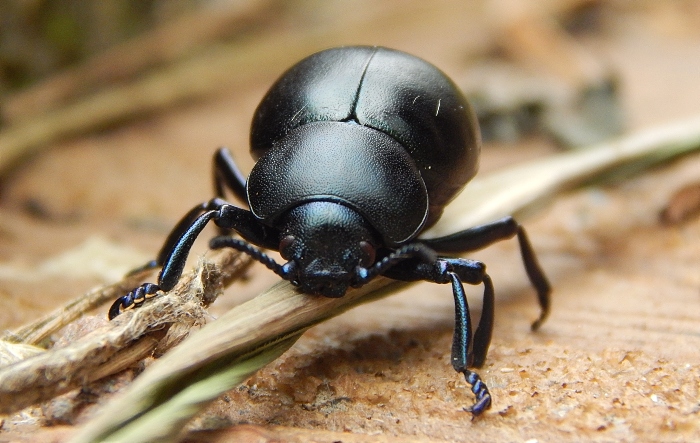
x=359 y=150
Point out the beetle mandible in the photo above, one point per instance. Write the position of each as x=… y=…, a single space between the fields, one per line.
x=358 y=151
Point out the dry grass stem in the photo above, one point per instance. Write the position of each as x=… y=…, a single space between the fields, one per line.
x=224 y=354
x=37 y=331
x=119 y=344
x=536 y=182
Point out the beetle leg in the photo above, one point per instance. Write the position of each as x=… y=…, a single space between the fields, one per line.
x=180 y=229
x=175 y=234
x=474 y=273
x=177 y=247
x=133 y=299
x=173 y=255
x=482 y=236
x=462 y=356
x=172 y=258
x=227 y=173
x=446 y=270
x=466 y=350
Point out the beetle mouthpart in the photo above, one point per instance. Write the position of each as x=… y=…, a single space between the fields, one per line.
x=326 y=283
x=331 y=289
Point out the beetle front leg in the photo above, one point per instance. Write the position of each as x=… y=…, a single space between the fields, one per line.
x=466 y=350
x=462 y=356
x=173 y=254
x=171 y=258
x=177 y=232
x=474 y=273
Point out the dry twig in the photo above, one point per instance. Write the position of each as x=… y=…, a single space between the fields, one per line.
x=37 y=331
x=119 y=344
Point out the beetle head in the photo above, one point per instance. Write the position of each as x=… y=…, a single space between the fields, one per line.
x=325 y=243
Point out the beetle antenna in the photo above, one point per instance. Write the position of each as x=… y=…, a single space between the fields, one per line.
x=286 y=271
x=413 y=250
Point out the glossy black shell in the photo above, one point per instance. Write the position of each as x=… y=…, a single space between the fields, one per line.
x=379 y=130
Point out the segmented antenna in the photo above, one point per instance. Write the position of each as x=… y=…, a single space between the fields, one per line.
x=286 y=271
x=414 y=250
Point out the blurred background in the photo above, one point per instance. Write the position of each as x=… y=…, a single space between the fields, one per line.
x=110 y=113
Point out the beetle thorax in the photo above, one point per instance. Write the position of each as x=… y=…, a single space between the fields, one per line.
x=325 y=243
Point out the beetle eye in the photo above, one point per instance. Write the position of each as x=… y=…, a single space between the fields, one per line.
x=286 y=246
x=367 y=256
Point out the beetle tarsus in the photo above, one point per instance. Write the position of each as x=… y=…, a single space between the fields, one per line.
x=481 y=392
x=133 y=299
